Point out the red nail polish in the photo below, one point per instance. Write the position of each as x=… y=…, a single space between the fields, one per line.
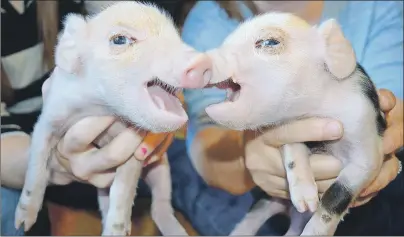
x=144 y=151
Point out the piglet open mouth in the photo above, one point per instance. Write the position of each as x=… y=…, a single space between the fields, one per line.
x=165 y=96
x=232 y=88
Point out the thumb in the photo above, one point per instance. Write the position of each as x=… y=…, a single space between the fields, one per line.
x=311 y=129
x=387 y=100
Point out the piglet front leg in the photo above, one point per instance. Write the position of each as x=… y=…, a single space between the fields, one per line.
x=122 y=195
x=103 y=203
x=36 y=178
x=302 y=186
x=158 y=178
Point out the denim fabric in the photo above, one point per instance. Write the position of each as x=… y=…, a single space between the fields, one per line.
x=214 y=212
x=9 y=201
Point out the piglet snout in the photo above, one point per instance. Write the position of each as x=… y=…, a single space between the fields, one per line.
x=198 y=72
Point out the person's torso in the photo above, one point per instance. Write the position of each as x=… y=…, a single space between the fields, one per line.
x=22 y=50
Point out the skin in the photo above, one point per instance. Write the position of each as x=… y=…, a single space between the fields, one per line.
x=207 y=159
x=297 y=91
x=130 y=51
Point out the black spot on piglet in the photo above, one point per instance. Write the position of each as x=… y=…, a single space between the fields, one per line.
x=369 y=90
x=291 y=165
x=336 y=199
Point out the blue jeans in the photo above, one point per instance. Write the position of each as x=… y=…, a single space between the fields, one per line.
x=214 y=212
x=9 y=201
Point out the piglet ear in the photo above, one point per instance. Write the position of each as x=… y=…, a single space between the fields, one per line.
x=68 y=49
x=339 y=55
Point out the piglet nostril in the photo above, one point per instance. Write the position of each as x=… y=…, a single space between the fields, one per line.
x=198 y=73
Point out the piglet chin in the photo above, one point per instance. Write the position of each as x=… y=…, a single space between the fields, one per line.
x=226 y=114
x=168 y=105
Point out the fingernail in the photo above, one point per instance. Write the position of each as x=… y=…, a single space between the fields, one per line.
x=144 y=150
x=141 y=153
x=333 y=129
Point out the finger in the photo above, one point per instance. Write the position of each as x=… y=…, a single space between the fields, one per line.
x=392 y=140
x=266 y=159
x=149 y=144
x=279 y=194
x=115 y=153
x=268 y=182
x=84 y=132
x=325 y=167
x=387 y=100
x=165 y=145
x=387 y=173
x=160 y=150
x=311 y=129
x=323 y=185
x=362 y=201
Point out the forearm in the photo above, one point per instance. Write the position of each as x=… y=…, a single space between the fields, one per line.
x=14 y=159
x=217 y=155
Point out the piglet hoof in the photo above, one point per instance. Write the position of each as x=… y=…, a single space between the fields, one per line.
x=305 y=197
x=119 y=229
x=311 y=230
x=317 y=226
x=163 y=216
x=26 y=213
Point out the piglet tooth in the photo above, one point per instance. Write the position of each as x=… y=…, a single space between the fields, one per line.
x=228 y=93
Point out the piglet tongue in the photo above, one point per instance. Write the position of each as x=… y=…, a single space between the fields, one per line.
x=159 y=102
x=165 y=101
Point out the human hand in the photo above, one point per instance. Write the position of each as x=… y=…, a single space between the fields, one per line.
x=93 y=147
x=269 y=173
x=392 y=140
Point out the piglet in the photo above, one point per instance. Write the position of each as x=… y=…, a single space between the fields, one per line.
x=128 y=61
x=277 y=69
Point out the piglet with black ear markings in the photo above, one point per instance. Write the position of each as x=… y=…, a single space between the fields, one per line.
x=128 y=61
x=289 y=70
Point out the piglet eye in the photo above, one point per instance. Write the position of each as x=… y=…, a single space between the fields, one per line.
x=120 y=40
x=266 y=43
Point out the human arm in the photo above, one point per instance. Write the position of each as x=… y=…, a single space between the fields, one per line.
x=383 y=60
x=14 y=158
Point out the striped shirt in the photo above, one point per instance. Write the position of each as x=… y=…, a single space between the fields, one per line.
x=22 y=60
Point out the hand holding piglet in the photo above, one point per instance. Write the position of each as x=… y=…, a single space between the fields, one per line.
x=325 y=167
x=78 y=159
